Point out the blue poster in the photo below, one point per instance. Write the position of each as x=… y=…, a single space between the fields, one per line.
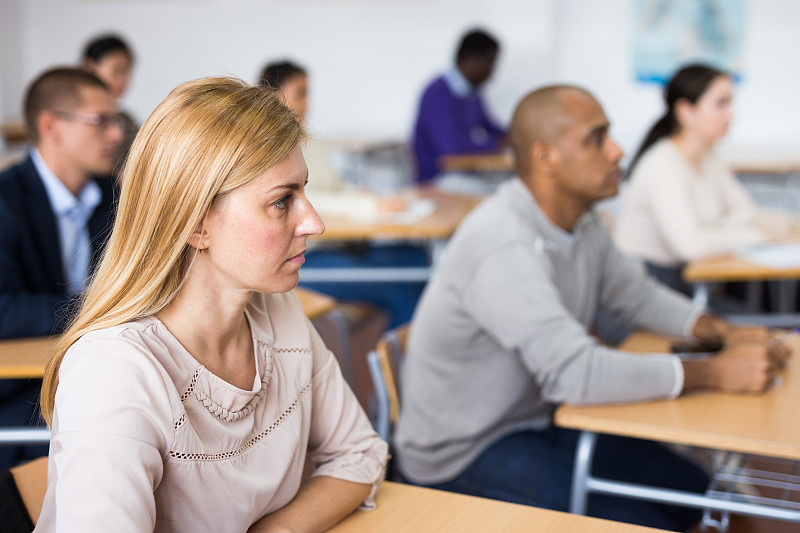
x=669 y=34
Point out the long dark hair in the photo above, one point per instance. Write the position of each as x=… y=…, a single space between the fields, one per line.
x=689 y=84
x=276 y=74
x=97 y=48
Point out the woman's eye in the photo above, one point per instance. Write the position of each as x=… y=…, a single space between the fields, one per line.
x=283 y=202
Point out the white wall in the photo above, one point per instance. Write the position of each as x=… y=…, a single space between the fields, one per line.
x=11 y=83
x=594 y=49
x=369 y=58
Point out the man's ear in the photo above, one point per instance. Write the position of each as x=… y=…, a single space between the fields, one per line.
x=47 y=125
x=544 y=156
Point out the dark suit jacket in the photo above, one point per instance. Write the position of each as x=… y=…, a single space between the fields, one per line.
x=33 y=297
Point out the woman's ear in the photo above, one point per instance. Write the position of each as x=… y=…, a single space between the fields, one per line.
x=684 y=112
x=199 y=236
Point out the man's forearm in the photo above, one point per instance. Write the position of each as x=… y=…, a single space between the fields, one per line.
x=710 y=328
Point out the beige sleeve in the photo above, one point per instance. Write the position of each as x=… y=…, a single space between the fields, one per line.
x=342 y=442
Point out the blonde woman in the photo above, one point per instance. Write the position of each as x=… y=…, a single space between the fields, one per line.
x=191 y=390
x=111 y=59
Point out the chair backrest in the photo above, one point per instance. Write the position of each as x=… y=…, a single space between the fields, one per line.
x=384 y=365
x=31 y=481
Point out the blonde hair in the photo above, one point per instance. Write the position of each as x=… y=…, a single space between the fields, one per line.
x=208 y=137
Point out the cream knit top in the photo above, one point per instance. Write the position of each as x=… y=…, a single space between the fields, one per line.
x=672 y=213
x=147 y=439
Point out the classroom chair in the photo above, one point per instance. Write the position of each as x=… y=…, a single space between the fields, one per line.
x=384 y=365
x=22 y=490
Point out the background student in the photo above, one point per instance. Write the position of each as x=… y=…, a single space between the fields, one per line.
x=55 y=215
x=328 y=189
x=191 y=390
x=111 y=59
x=500 y=336
x=683 y=202
x=452 y=117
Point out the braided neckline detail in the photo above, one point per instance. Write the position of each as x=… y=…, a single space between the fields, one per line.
x=227 y=415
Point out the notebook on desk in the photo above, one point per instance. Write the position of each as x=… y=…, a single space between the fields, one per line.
x=365 y=209
x=416 y=209
x=773 y=255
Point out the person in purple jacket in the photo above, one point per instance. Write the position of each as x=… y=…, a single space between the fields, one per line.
x=452 y=118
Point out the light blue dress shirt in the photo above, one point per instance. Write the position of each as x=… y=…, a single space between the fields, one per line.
x=72 y=216
x=457 y=83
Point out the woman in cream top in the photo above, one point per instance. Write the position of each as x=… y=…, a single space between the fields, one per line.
x=682 y=202
x=673 y=212
x=326 y=188
x=191 y=392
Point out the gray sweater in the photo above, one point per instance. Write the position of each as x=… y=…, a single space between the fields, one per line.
x=501 y=333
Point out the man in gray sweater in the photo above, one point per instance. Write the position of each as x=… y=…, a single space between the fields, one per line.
x=500 y=336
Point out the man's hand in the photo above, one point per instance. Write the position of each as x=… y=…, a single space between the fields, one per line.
x=738 y=334
x=751 y=357
x=744 y=367
x=748 y=367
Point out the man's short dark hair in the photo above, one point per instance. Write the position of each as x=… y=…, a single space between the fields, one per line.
x=57 y=89
x=476 y=43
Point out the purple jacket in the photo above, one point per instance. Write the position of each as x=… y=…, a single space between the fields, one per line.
x=449 y=124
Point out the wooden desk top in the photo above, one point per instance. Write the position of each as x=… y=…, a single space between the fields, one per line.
x=765 y=424
x=410 y=509
x=502 y=162
x=14 y=131
x=364 y=145
x=451 y=208
x=25 y=358
x=759 y=161
x=731 y=267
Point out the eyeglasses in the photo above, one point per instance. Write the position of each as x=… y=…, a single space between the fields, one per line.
x=104 y=120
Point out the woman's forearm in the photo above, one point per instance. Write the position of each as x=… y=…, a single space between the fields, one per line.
x=319 y=505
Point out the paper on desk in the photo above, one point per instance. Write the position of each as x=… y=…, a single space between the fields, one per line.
x=353 y=205
x=773 y=255
x=363 y=207
x=416 y=209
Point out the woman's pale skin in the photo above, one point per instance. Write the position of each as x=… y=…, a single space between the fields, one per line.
x=702 y=125
x=253 y=239
x=295 y=95
x=114 y=68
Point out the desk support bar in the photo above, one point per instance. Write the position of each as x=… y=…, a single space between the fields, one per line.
x=365 y=275
x=688 y=499
x=583 y=483
x=584 y=454
x=24 y=435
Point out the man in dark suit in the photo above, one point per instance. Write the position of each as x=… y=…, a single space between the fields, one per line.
x=56 y=211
